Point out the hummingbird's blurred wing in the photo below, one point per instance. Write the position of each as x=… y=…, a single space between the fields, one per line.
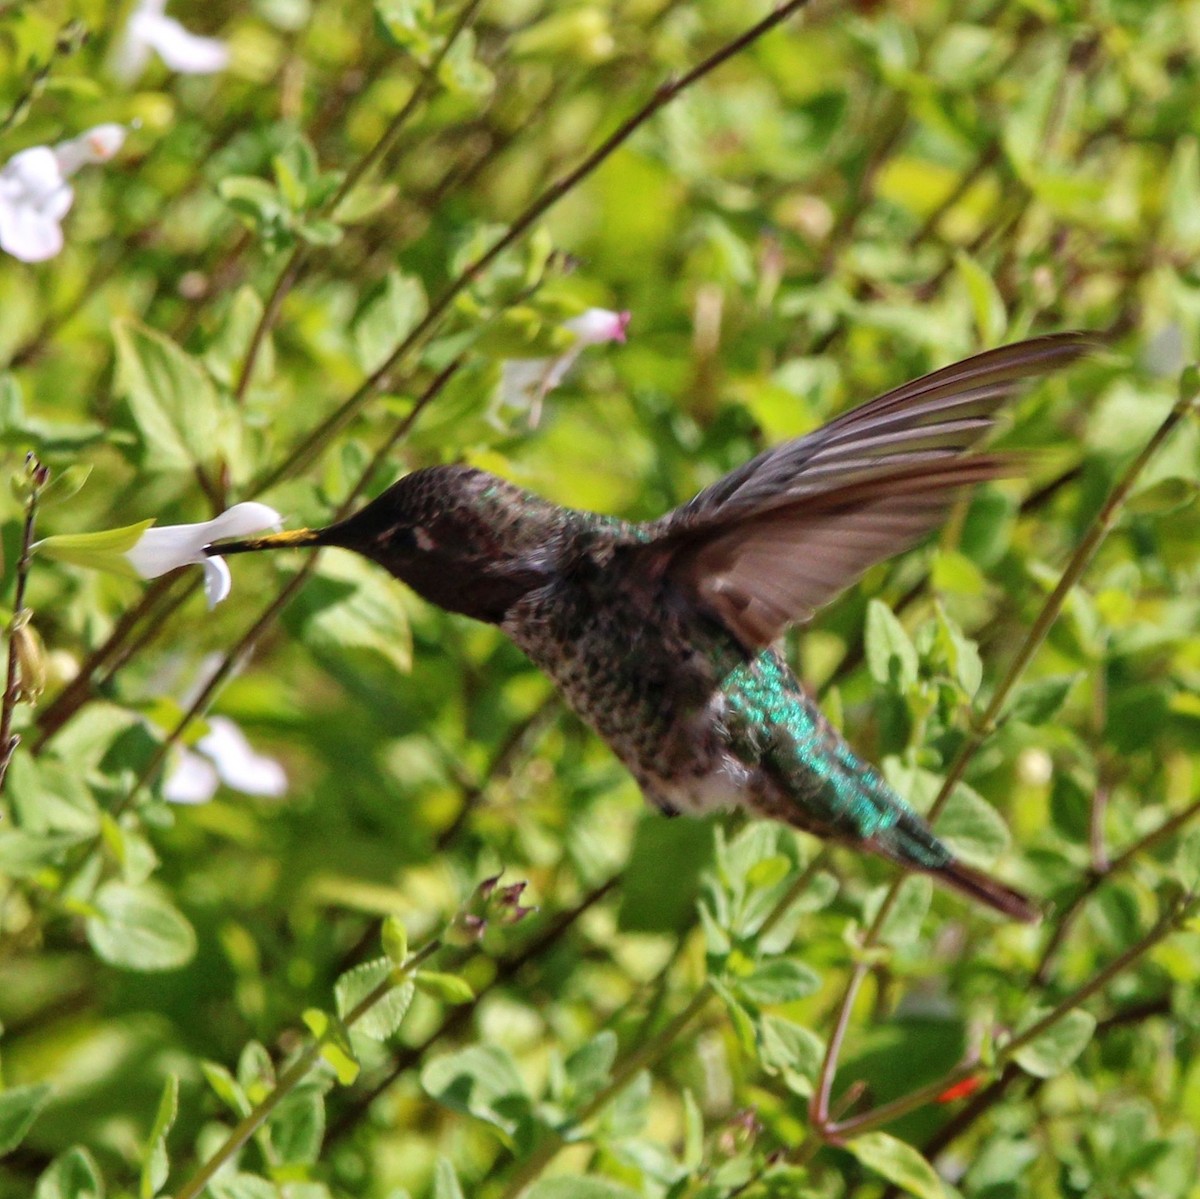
x=772 y=541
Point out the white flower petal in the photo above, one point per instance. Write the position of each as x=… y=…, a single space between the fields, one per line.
x=27 y=234
x=217 y=581
x=161 y=549
x=238 y=763
x=131 y=56
x=192 y=780
x=33 y=173
x=97 y=144
x=178 y=47
x=523 y=381
x=242 y=520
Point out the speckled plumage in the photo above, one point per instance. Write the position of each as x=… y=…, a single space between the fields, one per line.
x=661 y=635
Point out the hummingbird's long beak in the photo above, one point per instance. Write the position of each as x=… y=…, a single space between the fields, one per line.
x=273 y=541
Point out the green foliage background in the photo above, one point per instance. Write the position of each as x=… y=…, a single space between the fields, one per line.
x=868 y=192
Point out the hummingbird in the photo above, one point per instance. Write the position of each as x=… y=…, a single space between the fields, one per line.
x=662 y=635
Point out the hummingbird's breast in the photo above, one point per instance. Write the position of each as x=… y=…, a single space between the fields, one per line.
x=643 y=673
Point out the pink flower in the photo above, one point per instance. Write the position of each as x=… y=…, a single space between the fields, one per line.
x=525 y=382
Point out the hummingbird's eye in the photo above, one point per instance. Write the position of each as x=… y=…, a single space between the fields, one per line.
x=408 y=538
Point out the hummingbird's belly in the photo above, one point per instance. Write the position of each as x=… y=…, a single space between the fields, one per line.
x=650 y=695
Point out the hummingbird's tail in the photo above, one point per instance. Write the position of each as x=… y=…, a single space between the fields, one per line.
x=912 y=843
x=985 y=889
x=273 y=541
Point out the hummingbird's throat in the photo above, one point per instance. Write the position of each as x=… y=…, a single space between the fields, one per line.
x=273 y=541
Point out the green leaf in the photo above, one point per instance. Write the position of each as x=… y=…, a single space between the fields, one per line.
x=72 y=1175
x=962 y=654
x=104 y=550
x=19 y=1107
x=972 y=828
x=461 y=73
x=255 y=1071
x=353 y=609
x=589 y=1067
x=792 y=1050
x=408 y=23
x=388 y=319
x=173 y=401
x=1187 y=860
x=226 y=353
x=899 y=1163
x=780 y=980
x=1163 y=497
x=156 y=1164
x=1181 y=216
x=297 y=1127
x=891 y=655
x=986 y=302
x=65 y=484
x=480 y=1081
x=1056 y=1048
x=320 y=232
x=226 y=1088
x=395 y=940
x=334 y=1042
x=1038 y=702
x=241 y=1186
x=50 y=796
x=769 y=871
x=449 y=988
x=445 y=1181
x=693 y=1134
x=384 y=1016
x=572 y=1186
x=627 y=1113
x=903 y=923
x=254 y=200
x=739 y=1017
x=25 y=855
x=136 y=929
x=365 y=201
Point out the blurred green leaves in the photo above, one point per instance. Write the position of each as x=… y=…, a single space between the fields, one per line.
x=19 y=1107
x=135 y=928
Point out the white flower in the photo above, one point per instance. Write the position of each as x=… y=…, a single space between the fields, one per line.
x=35 y=195
x=525 y=382
x=223 y=755
x=162 y=549
x=150 y=30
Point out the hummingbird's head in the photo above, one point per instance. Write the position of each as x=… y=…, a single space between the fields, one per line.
x=464 y=539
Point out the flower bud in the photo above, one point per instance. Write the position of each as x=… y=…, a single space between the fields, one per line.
x=31 y=660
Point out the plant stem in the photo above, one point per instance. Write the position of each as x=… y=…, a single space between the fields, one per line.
x=320 y=435
x=983 y=728
x=38 y=477
x=250 y=1123
x=647 y=1052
